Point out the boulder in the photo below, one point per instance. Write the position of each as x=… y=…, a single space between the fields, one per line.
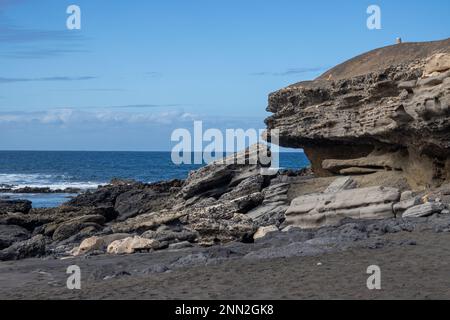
x=327 y=209
x=73 y=226
x=14 y=206
x=10 y=234
x=131 y=245
x=263 y=231
x=97 y=243
x=404 y=205
x=89 y=245
x=423 y=210
x=104 y=195
x=34 y=247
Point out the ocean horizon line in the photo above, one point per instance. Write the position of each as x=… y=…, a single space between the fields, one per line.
x=135 y=151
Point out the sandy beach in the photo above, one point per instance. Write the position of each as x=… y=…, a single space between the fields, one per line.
x=414 y=265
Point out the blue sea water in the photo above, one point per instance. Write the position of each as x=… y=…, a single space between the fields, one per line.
x=87 y=170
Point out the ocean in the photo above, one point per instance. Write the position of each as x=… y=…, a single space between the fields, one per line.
x=87 y=170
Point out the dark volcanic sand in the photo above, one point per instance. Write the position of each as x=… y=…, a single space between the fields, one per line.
x=414 y=265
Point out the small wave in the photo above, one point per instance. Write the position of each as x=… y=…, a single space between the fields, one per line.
x=62 y=186
x=53 y=182
x=7 y=178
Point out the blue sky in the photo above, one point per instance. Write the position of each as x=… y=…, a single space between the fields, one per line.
x=139 y=69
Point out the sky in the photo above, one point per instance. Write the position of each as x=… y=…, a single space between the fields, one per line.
x=137 y=70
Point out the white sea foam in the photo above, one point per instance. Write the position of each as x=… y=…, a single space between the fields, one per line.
x=18 y=181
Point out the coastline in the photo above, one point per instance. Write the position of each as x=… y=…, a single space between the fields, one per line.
x=377 y=194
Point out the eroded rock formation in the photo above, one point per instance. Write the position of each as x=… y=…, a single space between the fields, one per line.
x=388 y=109
x=222 y=202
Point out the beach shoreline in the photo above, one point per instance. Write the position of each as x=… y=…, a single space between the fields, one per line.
x=414 y=265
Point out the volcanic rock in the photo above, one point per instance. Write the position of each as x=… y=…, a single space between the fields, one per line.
x=34 y=247
x=71 y=227
x=12 y=206
x=10 y=234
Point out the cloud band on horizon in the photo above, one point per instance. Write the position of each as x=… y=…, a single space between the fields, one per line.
x=45 y=79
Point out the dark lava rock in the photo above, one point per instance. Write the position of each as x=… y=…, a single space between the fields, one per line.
x=11 y=234
x=105 y=195
x=71 y=227
x=34 y=247
x=135 y=202
x=11 y=206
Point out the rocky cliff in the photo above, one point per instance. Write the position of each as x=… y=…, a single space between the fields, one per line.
x=388 y=109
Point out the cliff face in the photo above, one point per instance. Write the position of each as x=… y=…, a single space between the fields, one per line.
x=388 y=109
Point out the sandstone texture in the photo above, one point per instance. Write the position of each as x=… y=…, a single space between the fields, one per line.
x=386 y=110
x=131 y=245
x=333 y=205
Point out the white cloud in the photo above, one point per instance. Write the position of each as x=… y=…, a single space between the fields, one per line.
x=70 y=116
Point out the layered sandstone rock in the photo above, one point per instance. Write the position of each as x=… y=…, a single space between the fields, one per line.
x=388 y=109
x=329 y=208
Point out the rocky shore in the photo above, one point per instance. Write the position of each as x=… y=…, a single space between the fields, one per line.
x=204 y=211
x=45 y=190
x=377 y=135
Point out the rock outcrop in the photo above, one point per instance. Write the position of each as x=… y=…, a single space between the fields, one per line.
x=227 y=200
x=13 y=206
x=10 y=234
x=340 y=201
x=388 y=109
